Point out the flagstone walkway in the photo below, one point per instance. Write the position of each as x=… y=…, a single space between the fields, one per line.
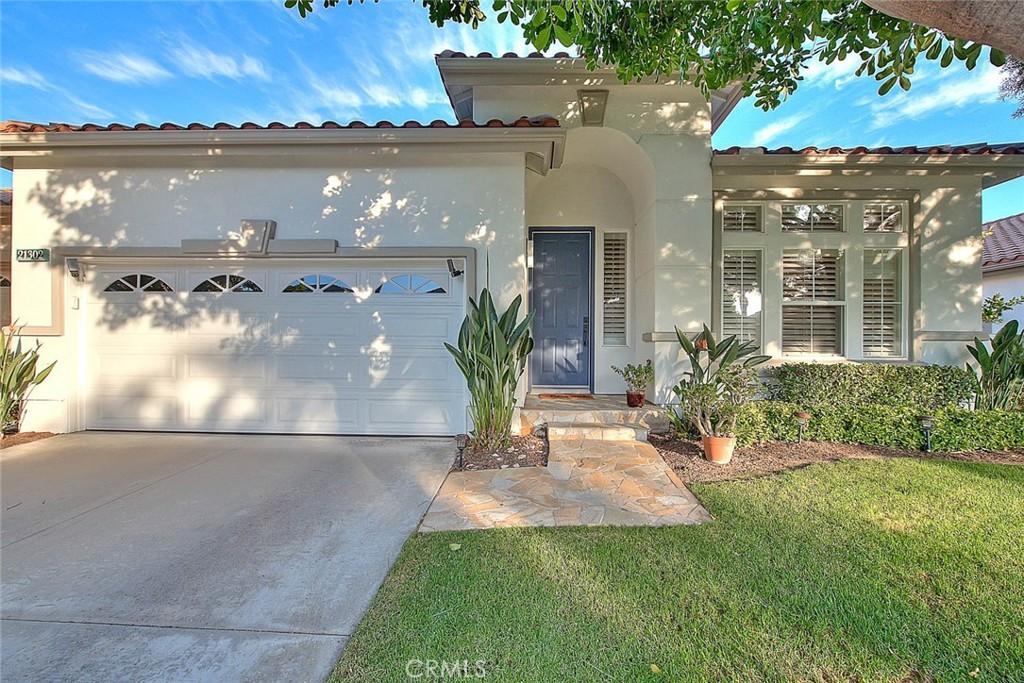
x=587 y=482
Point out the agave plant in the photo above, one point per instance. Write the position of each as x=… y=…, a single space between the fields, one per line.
x=491 y=355
x=719 y=382
x=18 y=376
x=1000 y=371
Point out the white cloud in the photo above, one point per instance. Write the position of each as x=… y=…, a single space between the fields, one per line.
x=773 y=130
x=122 y=67
x=201 y=62
x=27 y=76
x=980 y=87
x=31 y=78
x=837 y=74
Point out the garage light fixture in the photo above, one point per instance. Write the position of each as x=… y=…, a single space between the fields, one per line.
x=74 y=268
x=592 y=105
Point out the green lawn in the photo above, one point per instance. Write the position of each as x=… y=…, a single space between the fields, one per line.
x=891 y=570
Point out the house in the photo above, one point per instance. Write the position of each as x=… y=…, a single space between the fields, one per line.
x=5 y=256
x=303 y=278
x=1002 y=263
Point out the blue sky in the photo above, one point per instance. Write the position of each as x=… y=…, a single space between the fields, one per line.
x=256 y=61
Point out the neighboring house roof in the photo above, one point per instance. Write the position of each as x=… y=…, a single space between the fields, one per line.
x=976 y=148
x=454 y=54
x=30 y=127
x=1004 y=243
x=5 y=196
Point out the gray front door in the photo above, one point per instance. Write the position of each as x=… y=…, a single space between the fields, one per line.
x=560 y=297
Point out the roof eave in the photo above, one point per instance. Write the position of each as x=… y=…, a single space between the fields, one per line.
x=544 y=144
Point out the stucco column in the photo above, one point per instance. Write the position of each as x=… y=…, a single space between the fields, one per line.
x=680 y=249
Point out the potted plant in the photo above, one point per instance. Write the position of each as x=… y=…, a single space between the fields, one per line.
x=18 y=376
x=720 y=381
x=637 y=378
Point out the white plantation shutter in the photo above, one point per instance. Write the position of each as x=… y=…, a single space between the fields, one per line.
x=741 y=294
x=883 y=309
x=812 y=294
x=812 y=217
x=741 y=218
x=883 y=218
x=615 y=288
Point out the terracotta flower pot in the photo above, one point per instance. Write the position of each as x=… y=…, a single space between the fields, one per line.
x=636 y=399
x=718 y=449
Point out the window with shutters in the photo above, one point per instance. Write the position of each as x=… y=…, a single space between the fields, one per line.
x=812 y=217
x=883 y=217
x=741 y=294
x=615 y=288
x=883 y=310
x=812 y=296
x=741 y=218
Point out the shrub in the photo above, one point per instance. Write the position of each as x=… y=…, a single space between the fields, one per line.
x=955 y=429
x=921 y=387
x=989 y=430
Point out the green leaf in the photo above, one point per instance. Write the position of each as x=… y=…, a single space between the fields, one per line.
x=454 y=546
x=887 y=86
x=996 y=57
x=543 y=39
x=559 y=12
x=564 y=37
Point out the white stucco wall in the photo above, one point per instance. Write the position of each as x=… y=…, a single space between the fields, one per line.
x=1009 y=283
x=656 y=139
x=466 y=201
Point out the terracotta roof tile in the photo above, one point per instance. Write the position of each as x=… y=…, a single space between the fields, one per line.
x=978 y=148
x=28 y=127
x=454 y=54
x=1004 y=243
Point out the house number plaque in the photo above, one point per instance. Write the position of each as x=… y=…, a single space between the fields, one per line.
x=33 y=255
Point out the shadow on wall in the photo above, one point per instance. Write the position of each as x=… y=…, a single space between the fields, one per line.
x=365 y=208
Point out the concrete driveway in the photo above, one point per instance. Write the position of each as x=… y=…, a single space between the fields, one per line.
x=163 y=557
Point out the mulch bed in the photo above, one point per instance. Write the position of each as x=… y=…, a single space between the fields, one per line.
x=524 y=451
x=687 y=459
x=23 y=437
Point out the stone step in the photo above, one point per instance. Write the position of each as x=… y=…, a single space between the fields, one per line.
x=572 y=431
x=651 y=418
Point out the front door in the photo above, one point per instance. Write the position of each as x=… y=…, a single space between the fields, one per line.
x=561 y=299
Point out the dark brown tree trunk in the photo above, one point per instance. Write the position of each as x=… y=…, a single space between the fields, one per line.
x=999 y=23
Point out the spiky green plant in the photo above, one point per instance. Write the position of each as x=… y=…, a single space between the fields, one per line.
x=491 y=355
x=1000 y=371
x=719 y=382
x=18 y=376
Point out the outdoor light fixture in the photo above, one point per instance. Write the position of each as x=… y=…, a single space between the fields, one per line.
x=927 y=422
x=592 y=105
x=74 y=269
x=461 y=441
x=802 y=418
x=455 y=272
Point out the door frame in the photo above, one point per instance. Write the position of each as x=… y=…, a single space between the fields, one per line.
x=591 y=233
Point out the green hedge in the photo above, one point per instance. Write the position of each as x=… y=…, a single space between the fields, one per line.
x=921 y=387
x=955 y=429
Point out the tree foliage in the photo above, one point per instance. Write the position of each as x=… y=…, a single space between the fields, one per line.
x=766 y=44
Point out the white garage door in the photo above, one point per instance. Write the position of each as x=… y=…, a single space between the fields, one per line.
x=338 y=347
